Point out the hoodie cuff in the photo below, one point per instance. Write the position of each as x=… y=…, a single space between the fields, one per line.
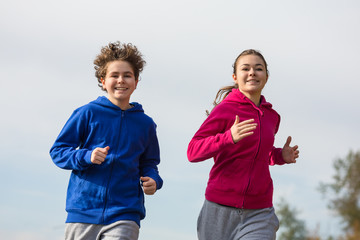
x=159 y=182
x=276 y=157
x=87 y=158
x=228 y=138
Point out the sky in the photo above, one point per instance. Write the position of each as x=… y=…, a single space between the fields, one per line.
x=46 y=61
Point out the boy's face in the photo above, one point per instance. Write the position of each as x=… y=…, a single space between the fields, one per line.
x=119 y=83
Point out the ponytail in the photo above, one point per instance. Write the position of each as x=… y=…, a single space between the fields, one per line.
x=221 y=95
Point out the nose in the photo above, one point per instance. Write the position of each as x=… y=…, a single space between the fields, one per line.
x=252 y=71
x=120 y=79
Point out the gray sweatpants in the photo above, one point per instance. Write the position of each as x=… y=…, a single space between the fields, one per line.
x=120 y=230
x=218 y=222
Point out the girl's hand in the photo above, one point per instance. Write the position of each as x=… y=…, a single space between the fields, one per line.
x=242 y=129
x=149 y=185
x=98 y=155
x=290 y=154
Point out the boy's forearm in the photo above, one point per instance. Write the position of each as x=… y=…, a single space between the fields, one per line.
x=70 y=158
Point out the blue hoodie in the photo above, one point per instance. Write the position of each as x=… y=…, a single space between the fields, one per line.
x=106 y=193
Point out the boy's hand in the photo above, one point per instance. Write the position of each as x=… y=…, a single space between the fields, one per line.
x=149 y=185
x=240 y=130
x=98 y=155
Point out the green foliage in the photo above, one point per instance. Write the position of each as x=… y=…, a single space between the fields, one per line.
x=291 y=228
x=344 y=190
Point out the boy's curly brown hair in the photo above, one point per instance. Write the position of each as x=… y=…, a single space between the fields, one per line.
x=118 y=51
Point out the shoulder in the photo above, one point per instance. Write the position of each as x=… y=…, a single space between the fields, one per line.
x=146 y=120
x=228 y=109
x=137 y=112
x=268 y=106
x=271 y=114
x=221 y=116
x=85 y=108
x=224 y=107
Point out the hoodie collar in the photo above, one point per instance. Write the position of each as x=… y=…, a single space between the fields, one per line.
x=105 y=102
x=236 y=96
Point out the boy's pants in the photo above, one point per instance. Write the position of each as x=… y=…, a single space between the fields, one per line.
x=218 y=222
x=121 y=230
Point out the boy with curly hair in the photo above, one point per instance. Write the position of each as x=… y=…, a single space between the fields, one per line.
x=111 y=146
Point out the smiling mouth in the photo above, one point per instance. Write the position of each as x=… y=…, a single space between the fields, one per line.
x=120 y=88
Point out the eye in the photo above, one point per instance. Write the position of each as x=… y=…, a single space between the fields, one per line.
x=259 y=69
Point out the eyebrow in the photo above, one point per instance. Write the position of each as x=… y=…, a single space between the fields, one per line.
x=258 y=64
x=116 y=72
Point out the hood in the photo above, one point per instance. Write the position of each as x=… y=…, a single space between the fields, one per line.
x=236 y=96
x=106 y=103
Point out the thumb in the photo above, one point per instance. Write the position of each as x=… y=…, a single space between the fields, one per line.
x=236 y=120
x=144 y=179
x=106 y=149
x=288 y=140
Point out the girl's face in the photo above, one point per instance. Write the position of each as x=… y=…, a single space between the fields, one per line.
x=119 y=83
x=251 y=75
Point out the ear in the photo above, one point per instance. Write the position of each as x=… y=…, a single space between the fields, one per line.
x=136 y=83
x=103 y=83
x=234 y=77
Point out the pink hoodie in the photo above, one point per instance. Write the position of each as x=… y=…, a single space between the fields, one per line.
x=240 y=176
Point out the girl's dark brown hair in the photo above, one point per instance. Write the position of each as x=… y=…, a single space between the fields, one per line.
x=224 y=91
x=118 y=51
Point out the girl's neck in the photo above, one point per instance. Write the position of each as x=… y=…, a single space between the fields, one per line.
x=255 y=98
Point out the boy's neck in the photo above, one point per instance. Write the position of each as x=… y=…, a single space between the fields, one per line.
x=122 y=105
x=126 y=107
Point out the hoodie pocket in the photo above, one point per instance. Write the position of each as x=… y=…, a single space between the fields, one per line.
x=85 y=192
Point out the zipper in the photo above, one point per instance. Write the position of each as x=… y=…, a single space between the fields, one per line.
x=111 y=170
x=252 y=164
